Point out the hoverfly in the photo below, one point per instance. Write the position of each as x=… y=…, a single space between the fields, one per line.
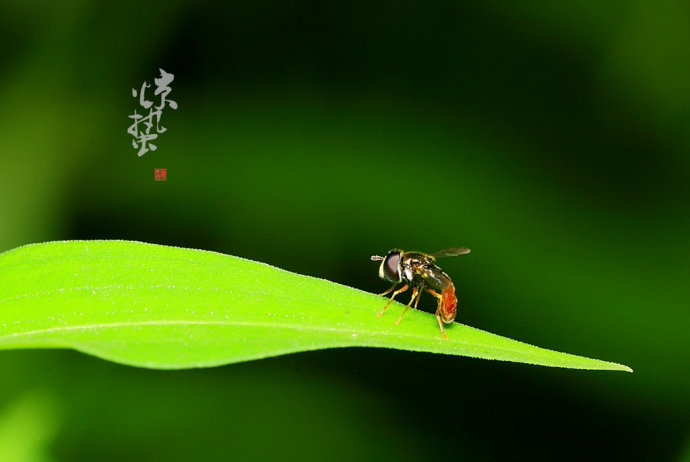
x=419 y=270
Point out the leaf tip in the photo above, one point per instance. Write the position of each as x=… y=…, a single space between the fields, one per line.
x=621 y=367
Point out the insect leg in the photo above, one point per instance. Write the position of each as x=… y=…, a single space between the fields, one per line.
x=438 y=310
x=440 y=324
x=418 y=297
x=402 y=289
x=415 y=293
x=389 y=290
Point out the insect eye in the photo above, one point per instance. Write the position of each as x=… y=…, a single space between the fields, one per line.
x=390 y=267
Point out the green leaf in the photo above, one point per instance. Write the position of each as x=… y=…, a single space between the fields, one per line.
x=27 y=427
x=167 y=307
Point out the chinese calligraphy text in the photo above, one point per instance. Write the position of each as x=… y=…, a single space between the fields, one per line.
x=142 y=124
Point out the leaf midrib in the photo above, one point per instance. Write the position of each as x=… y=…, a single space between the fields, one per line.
x=117 y=325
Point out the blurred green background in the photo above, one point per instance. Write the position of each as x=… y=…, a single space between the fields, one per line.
x=551 y=138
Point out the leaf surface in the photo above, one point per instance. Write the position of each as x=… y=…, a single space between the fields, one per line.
x=170 y=308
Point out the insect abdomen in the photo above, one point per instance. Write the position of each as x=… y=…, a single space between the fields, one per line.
x=450 y=304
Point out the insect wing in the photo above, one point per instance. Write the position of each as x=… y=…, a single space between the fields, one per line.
x=452 y=252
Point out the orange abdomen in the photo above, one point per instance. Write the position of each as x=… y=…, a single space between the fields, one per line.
x=450 y=304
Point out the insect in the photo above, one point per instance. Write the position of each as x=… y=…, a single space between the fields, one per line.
x=419 y=271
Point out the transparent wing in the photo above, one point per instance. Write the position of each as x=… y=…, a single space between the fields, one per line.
x=452 y=252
